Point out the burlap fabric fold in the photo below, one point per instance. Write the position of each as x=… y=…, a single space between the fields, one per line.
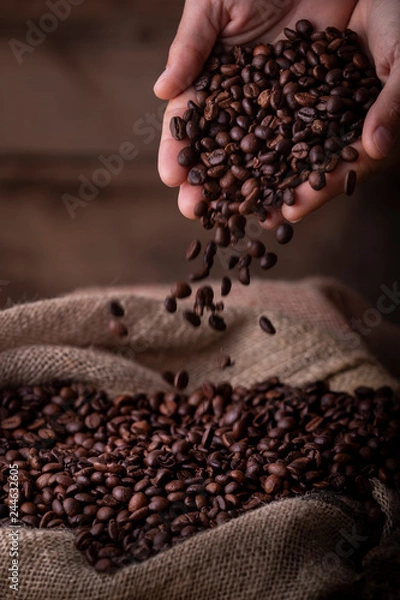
x=297 y=548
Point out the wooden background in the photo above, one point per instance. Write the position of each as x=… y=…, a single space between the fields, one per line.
x=82 y=92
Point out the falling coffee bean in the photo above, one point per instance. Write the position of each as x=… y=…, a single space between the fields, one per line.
x=267 y=326
x=350 y=182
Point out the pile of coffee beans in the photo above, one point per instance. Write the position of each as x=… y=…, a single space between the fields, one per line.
x=135 y=475
x=265 y=120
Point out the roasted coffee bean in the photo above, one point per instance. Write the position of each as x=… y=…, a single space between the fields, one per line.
x=181 y=380
x=217 y=322
x=349 y=154
x=255 y=248
x=116 y=309
x=187 y=157
x=192 y=318
x=317 y=180
x=178 y=128
x=266 y=325
x=292 y=451
x=350 y=182
x=268 y=261
x=181 y=289
x=193 y=250
x=197 y=175
x=170 y=304
x=284 y=233
x=226 y=286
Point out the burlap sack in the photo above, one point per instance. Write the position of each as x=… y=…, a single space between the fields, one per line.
x=299 y=548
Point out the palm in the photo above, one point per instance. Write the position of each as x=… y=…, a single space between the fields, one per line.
x=265 y=20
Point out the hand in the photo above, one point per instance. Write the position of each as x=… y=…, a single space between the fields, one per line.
x=204 y=21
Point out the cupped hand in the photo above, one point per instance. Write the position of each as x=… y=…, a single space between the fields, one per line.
x=239 y=23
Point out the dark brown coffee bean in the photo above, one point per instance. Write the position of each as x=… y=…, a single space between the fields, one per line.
x=266 y=325
x=11 y=422
x=284 y=233
x=192 y=318
x=226 y=286
x=244 y=276
x=170 y=304
x=116 y=309
x=350 y=182
x=197 y=175
x=349 y=154
x=300 y=150
x=288 y=197
x=217 y=322
x=71 y=507
x=307 y=114
x=250 y=143
x=304 y=27
x=181 y=380
x=178 y=128
x=255 y=248
x=122 y=494
x=268 y=261
x=187 y=157
x=317 y=180
x=272 y=484
x=181 y=289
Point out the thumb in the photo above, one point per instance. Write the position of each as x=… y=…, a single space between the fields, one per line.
x=197 y=33
x=382 y=125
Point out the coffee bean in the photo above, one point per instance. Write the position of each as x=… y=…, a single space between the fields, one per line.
x=284 y=233
x=187 y=157
x=197 y=175
x=317 y=180
x=193 y=250
x=217 y=322
x=11 y=422
x=350 y=182
x=266 y=325
x=192 y=318
x=268 y=261
x=226 y=286
x=304 y=27
x=181 y=380
x=170 y=304
x=181 y=289
x=255 y=248
x=349 y=154
x=293 y=451
x=116 y=309
x=244 y=276
x=178 y=128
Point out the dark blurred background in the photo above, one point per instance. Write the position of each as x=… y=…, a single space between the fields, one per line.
x=76 y=92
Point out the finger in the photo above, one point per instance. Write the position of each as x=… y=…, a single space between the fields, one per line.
x=308 y=199
x=188 y=197
x=382 y=125
x=197 y=33
x=171 y=173
x=273 y=219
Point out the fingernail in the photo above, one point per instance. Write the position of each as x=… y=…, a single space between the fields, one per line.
x=384 y=140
